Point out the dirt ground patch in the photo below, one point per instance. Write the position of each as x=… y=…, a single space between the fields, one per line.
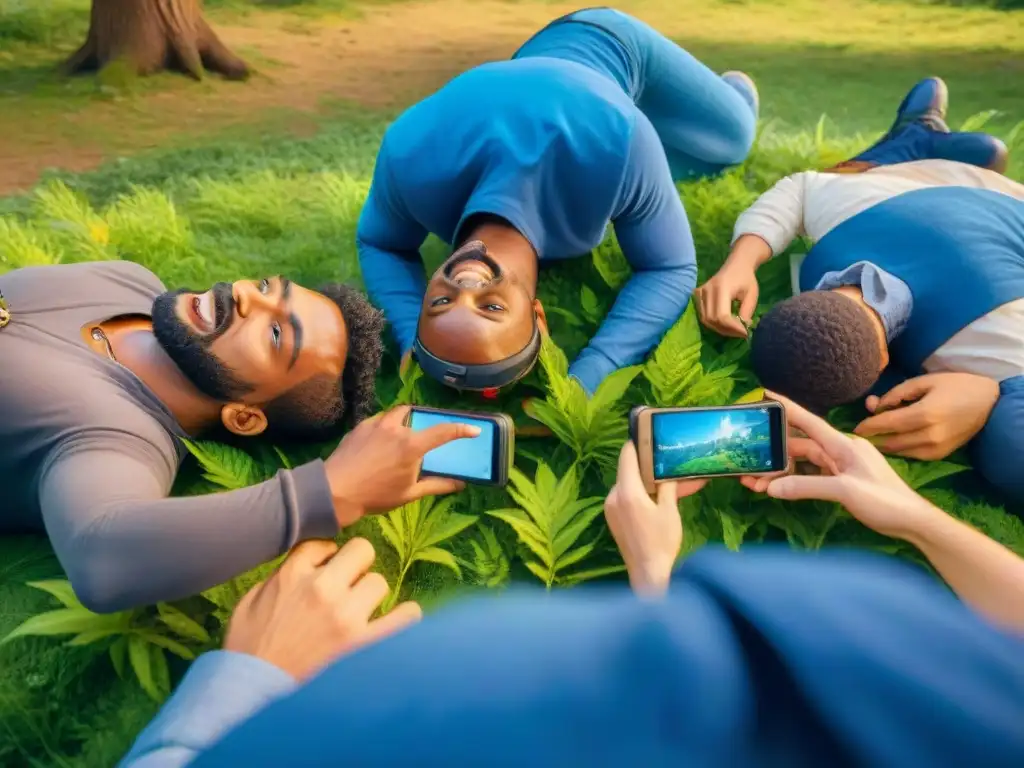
x=389 y=57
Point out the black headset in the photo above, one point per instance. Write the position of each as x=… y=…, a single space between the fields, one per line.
x=484 y=377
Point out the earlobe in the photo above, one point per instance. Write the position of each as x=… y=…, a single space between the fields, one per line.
x=243 y=420
x=542 y=318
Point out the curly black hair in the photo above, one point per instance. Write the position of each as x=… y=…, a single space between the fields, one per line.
x=820 y=349
x=321 y=408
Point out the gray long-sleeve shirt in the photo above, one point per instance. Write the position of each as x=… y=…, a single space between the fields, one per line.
x=88 y=453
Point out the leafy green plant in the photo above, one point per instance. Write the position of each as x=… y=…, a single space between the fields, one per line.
x=225 y=466
x=676 y=373
x=489 y=564
x=549 y=522
x=918 y=474
x=138 y=637
x=414 y=532
x=594 y=427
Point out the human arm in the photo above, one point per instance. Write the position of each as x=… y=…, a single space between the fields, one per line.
x=715 y=658
x=124 y=544
x=985 y=574
x=388 y=240
x=762 y=231
x=654 y=234
x=315 y=608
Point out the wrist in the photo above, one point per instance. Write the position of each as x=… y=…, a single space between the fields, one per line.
x=748 y=253
x=347 y=511
x=650 y=578
x=921 y=522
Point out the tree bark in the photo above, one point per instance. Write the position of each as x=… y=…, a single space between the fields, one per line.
x=153 y=35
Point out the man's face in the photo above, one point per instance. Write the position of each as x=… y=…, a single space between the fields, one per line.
x=251 y=341
x=474 y=311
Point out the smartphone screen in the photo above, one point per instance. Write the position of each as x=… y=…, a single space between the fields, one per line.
x=704 y=442
x=471 y=458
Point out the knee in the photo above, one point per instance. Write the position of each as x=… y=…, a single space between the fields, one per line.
x=999 y=448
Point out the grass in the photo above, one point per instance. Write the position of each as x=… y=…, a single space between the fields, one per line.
x=264 y=201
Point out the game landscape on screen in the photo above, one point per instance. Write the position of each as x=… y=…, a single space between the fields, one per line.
x=690 y=443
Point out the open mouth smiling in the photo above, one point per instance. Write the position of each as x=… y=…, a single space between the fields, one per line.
x=203 y=313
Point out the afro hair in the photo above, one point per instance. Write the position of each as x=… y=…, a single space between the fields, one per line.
x=820 y=349
x=320 y=409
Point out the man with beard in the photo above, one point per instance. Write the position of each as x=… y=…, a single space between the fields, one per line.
x=523 y=162
x=103 y=371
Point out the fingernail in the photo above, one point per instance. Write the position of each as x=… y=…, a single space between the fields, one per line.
x=474 y=431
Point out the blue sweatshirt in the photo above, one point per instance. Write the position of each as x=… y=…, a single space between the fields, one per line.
x=960 y=250
x=556 y=148
x=766 y=658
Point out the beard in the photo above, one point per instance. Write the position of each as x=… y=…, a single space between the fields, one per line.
x=191 y=352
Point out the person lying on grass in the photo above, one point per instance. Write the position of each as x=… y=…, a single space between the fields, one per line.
x=524 y=162
x=103 y=372
x=914 y=291
x=762 y=657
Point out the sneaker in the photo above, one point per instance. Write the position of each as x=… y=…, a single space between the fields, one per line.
x=746 y=86
x=926 y=103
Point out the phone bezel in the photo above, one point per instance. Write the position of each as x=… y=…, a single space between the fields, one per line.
x=502 y=447
x=645 y=441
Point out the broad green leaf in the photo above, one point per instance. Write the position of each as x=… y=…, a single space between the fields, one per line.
x=570 y=559
x=142 y=664
x=230 y=468
x=285 y=461
x=613 y=388
x=539 y=571
x=594 y=573
x=65 y=621
x=753 y=396
x=611 y=265
x=88 y=638
x=182 y=624
x=590 y=304
x=571 y=533
x=161 y=673
x=528 y=533
x=446 y=527
x=439 y=556
x=163 y=641
x=119 y=655
x=60 y=589
x=733 y=531
x=390 y=534
x=921 y=474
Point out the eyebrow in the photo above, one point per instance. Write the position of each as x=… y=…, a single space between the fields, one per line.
x=293 y=320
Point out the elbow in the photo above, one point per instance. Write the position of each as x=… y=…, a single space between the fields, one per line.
x=96 y=580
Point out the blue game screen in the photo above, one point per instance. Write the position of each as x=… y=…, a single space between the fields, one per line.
x=712 y=442
x=470 y=458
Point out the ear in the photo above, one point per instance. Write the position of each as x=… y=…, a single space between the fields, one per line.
x=243 y=420
x=542 y=318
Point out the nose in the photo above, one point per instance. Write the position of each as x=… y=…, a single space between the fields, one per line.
x=249 y=299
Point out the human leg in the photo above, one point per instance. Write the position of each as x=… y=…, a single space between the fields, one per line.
x=919 y=132
x=999 y=447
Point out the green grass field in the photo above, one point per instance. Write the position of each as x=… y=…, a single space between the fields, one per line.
x=255 y=200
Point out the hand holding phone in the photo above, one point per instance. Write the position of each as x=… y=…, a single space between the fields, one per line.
x=483 y=460
x=722 y=441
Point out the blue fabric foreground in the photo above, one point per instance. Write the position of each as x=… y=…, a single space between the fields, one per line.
x=767 y=657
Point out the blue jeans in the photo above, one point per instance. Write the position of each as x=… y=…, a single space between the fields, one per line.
x=705 y=123
x=916 y=142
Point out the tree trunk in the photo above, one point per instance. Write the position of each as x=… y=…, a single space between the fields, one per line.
x=153 y=35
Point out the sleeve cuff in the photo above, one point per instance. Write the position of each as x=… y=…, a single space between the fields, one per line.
x=314 y=504
x=221 y=689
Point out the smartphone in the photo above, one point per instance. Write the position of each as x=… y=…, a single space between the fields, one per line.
x=722 y=441
x=483 y=460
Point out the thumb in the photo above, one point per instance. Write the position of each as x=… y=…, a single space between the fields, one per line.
x=802 y=487
x=436 y=486
x=668 y=497
x=749 y=304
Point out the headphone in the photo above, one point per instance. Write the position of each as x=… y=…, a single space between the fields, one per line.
x=487 y=378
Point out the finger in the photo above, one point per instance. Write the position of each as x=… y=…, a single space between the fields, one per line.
x=667 y=498
x=730 y=325
x=816 y=428
x=722 y=318
x=345 y=568
x=395 y=417
x=400 y=617
x=871 y=403
x=906 y=444
x=686 y=488
x=309 y=555
x=912 y=389
x=440 y=434
x=805 y=449
x=367 y=594
x=749 y=304
x=757 y=484
x=800 y=487
x=436 y=486
x=897 y=421
x=628 y=477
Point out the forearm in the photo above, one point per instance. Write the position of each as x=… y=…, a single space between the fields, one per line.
x=644 y=310
x=748 y=253
x=396 y=283
x=985 y=574
x=776 y=218
x=122 y=549
x=221 y=690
